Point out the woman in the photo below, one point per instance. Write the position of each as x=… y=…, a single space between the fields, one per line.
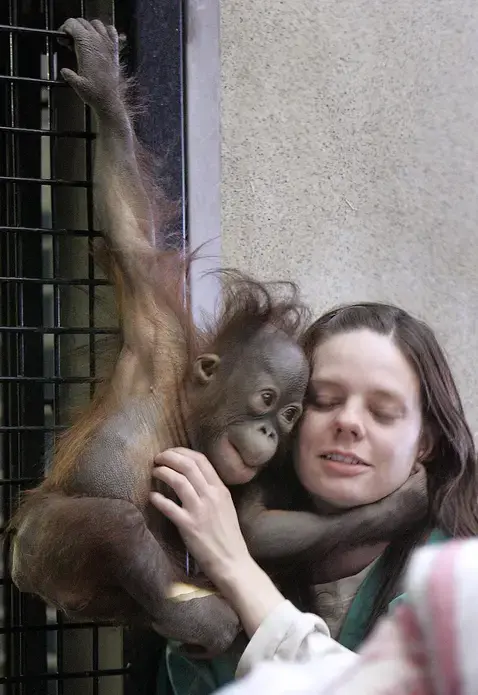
x=426 y=646
x=382 y=401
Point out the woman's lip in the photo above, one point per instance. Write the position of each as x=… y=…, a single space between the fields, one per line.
x=343 y=469
x=344 y=454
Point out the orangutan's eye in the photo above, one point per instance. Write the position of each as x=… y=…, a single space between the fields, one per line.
x=290 y=414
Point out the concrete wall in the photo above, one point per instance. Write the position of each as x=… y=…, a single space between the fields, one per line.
x=349 y=155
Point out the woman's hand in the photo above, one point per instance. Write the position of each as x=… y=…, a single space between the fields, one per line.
x=209 y=526
x=207 y=519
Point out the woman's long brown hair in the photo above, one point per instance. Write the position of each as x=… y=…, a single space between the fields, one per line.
x=451 y=465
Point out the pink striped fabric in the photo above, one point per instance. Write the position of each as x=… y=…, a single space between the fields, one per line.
x=429 y=644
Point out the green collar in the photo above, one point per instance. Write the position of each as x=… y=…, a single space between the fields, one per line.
x=354 y=626
x=179 y=675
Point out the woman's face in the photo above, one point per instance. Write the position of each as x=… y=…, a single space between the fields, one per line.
x=360 y=435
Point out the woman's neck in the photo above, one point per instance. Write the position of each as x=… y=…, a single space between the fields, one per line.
x=347 y=563
x=352 y=560
x=325 y=508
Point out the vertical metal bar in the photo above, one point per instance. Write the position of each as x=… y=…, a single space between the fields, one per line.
x=55 y=643
x=91 y=316
x=27 y=113
x=73 y=647
x=157 y=48
x=8 y=308
x=157 y=57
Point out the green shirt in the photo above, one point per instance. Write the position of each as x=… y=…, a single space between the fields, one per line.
x=179 y=675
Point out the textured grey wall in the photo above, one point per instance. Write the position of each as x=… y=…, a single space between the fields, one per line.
x=350 y=155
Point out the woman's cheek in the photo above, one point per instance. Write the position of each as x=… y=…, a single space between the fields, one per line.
x=311 y=428
x=394 y=472
x=305 y=444
x=402 y=454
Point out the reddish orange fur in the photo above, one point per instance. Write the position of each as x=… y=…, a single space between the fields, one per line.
x=82 y=513
x=162 y=279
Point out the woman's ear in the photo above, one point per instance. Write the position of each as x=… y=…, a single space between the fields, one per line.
x=426 y=446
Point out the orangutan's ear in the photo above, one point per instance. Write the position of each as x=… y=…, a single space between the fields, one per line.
x=205 y=367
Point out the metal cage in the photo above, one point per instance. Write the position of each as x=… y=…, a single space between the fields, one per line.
x=55 y=306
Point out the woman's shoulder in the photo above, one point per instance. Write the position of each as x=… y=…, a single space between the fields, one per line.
x=355 y=625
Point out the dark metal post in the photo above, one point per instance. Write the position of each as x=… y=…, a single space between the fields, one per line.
x=52 y=299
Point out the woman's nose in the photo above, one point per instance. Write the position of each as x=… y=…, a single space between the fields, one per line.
x=349 y=421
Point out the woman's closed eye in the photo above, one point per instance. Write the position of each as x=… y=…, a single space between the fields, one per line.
x=385 y=417
x=323 y=403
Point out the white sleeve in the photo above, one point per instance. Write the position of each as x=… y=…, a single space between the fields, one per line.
x=288 y=635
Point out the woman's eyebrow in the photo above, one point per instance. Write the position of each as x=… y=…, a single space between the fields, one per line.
x=385 y=394
x=389 y=395
x=324 y=382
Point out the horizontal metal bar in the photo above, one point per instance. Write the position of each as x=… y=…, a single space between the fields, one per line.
x=84 y=330
x=50 y=380
x=60 y=676
x=54 y=281
x=32 y=80
x=31 y=30
x=32 y=428
x=48 y=230
x=57 y=627
x=48 y=133
x=18 y=481
x=44 y=182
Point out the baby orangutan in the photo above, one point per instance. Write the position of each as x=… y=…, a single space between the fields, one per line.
x=87 y=540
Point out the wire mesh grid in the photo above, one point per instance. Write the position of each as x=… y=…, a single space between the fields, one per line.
x=55 y=310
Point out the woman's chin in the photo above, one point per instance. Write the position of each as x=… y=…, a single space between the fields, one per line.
x=333 y=501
